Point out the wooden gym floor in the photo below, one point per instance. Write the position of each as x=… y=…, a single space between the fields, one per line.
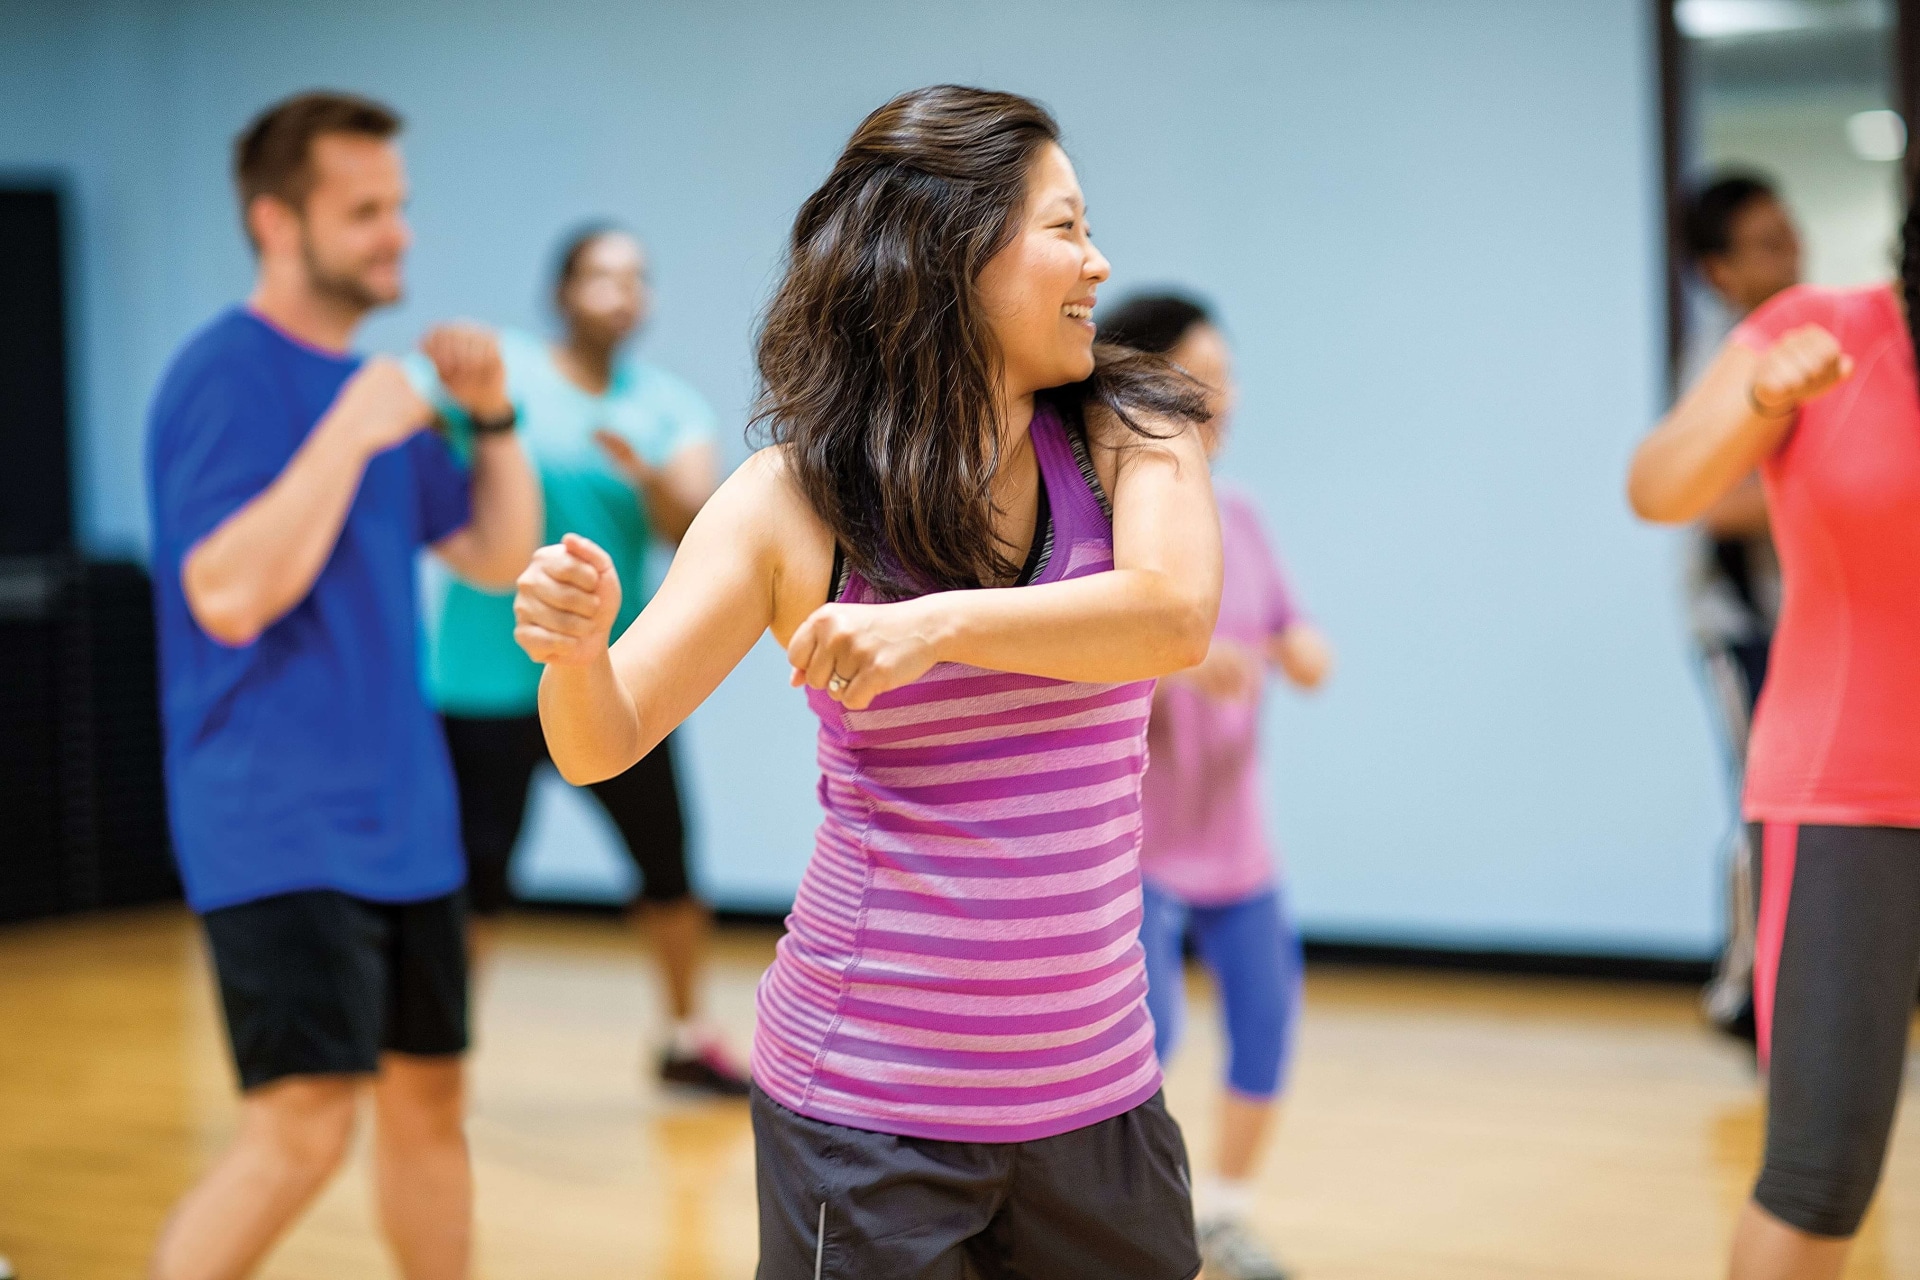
x=1441 y=1127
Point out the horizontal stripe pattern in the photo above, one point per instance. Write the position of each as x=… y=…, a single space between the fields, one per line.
x=963 y=960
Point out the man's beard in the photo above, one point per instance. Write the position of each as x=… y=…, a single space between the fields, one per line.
x=339 y=286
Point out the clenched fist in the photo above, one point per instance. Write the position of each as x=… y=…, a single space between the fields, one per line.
x=380 y=405
x=856 y=652
x=565 y=602
x=1230 y=672
x=467 y=358
x=1804 y=363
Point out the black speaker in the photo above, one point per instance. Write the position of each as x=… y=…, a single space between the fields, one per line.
x=36 y=496
x=33 y=879
x=80 y=748
x=118 y=851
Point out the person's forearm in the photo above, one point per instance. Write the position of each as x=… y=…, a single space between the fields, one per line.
x=1740 y=514
x=506 y=511
x=1709 y=441
x=264 y=558
x=592 y=728
x=1128 y=624
x=1689 y=464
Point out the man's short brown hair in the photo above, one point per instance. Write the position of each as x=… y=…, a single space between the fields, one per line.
x=273 y=156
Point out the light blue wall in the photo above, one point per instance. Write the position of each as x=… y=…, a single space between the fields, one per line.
x=1430 y=225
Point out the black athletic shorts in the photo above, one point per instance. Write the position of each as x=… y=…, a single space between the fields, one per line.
x=1110 y=1201
x=493 y=764
x=322 y=983
x=1836 y=963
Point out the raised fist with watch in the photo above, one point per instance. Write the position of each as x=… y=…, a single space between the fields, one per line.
x=467 y=358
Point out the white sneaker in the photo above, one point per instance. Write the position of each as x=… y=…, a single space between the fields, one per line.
x=1232 y=1252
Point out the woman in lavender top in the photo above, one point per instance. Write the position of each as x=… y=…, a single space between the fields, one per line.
x=1208 y=868
x=980 y=538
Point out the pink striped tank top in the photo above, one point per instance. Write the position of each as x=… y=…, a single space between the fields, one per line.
x=963 y=961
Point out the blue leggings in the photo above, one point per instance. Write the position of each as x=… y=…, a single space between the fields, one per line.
x=1254 y=954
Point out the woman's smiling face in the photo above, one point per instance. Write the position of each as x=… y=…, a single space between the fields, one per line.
x=1038 y=291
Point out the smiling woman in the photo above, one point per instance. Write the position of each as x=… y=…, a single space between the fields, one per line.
x=980 y=538
x=946 y=264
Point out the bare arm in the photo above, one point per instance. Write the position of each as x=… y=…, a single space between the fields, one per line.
x=1742 y=513
x=1732 y=419
x=756 y=557
x=494 y=546
x=263 y=559
x=1153 y=614
x=1303 y=655
x=497 y=543
x=674 y=493
x=603 y=710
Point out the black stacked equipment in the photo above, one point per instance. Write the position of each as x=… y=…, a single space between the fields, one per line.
x=82 y=805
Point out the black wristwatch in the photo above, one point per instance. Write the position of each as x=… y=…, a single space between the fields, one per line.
x=494 y=426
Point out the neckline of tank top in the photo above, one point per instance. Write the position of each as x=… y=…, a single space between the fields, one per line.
x=1040 y=550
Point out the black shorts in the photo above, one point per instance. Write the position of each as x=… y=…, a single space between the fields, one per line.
x=1836 y=963
x=493 y=763
x=1110 y=1201
x=322 y=983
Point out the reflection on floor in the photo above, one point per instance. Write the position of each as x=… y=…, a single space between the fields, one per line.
x=1441 y=1128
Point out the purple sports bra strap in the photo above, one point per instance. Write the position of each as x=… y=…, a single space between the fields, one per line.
x=1080 y=505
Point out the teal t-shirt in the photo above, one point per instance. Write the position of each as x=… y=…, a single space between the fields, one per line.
x=474 y=668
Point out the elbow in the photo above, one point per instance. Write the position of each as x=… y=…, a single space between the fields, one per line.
x=1641 y=497
x=1187 y=653
x=584 y=770
x=224 y=615
x=1192 y=634
x=1654 y=496
x=579 y=773
x=1654 y=504
x=229 y=628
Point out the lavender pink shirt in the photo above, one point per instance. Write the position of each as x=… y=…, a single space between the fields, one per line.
x=1205 y=839
x=962 y=961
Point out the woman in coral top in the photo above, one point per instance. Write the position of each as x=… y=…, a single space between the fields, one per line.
x=1817 y=389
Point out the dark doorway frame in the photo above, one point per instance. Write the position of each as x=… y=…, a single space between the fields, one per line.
x=1672 y=99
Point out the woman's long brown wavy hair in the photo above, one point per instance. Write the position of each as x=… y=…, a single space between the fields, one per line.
x=877 y=364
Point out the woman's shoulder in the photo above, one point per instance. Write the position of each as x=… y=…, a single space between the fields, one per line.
x=770 y=467
x=762 y=504
x=769 y=481
x=790 y=533
x=1833 y=307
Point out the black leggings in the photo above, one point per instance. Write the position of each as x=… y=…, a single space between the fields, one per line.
x=1837 y=957
x=493 y=763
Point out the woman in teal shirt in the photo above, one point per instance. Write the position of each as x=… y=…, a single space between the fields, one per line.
x=625 y=453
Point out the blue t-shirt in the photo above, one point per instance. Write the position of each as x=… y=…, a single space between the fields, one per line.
x=308 y=759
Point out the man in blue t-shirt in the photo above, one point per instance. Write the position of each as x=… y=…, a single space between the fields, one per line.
x=292 y=484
